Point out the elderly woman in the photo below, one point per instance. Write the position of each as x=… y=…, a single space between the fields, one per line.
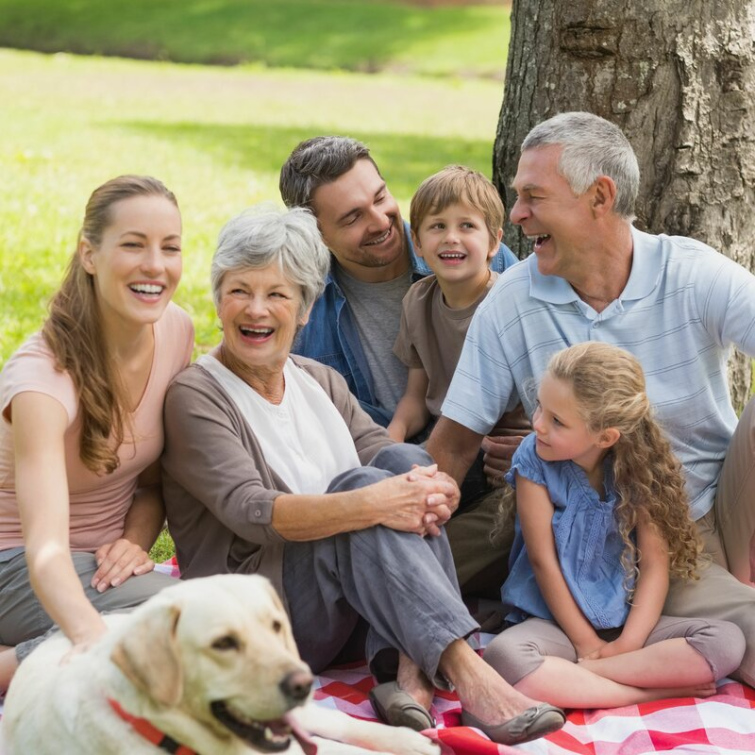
x=271 y=467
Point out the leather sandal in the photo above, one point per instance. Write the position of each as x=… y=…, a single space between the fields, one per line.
x=398 y=708
x=533 y=723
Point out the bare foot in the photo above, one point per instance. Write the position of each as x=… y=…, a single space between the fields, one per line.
x=482 y=691
x=413 y=681
x=699 y=690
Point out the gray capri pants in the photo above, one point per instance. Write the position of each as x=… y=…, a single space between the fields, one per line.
x=521 y=649
x=404 y=586
x=23 y=621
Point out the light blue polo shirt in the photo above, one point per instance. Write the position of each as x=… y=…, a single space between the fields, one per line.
x=683 y=307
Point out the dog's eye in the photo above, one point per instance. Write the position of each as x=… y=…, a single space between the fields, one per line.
x=226 y=642
x=277 y=626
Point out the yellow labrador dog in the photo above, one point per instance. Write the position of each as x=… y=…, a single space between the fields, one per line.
x=208 y=666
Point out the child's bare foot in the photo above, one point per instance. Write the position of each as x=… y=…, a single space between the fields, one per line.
x=697 y=690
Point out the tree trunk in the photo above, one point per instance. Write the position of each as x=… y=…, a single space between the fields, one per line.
x=678 y=77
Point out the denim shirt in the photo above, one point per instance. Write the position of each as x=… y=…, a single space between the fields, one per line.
x=588 y=544
x=331 y=335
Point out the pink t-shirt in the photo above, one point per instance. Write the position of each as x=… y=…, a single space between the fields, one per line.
x=98 y=503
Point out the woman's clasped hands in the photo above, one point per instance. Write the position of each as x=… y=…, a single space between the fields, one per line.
x=420 y=501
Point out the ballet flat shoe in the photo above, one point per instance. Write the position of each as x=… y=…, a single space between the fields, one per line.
x=398 y=708
x=533 y=723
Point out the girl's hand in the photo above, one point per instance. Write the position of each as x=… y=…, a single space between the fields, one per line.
x=618 y=647
x=117 y=562
x=590 y=651
x=610 y=649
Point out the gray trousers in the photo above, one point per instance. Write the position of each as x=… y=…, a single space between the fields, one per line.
x=23 y=620
x=404 y=586
x=520 y=650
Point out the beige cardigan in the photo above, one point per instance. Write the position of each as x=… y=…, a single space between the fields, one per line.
x=219 y=491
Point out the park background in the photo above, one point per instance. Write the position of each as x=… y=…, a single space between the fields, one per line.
x=211 y=96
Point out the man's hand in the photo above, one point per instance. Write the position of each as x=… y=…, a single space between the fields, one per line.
x=498 y=452
x=117 y=562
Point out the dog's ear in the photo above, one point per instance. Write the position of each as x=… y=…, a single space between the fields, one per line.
x=286 y=632
x=148 y=655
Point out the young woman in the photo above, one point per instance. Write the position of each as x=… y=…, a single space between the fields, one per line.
x=602 y=520
x=81 y=429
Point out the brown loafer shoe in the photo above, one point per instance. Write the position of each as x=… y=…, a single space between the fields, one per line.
x=533 y=723
x=398 y=708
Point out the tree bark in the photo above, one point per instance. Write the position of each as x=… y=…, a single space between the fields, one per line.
x=678 y=77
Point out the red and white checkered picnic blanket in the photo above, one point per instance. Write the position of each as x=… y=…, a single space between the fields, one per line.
x=720 y=725
x=723 y=724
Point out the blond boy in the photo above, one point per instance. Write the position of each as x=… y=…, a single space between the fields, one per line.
x=456 y=219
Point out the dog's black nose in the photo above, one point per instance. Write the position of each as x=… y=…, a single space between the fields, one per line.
x=297 y=685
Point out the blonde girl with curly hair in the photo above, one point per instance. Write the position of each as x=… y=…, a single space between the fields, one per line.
x=602 y=524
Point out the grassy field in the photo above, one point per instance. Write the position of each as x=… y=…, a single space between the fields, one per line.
x=216 y=136
x=363 y=35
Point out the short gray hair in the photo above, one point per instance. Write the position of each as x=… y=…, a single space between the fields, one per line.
x=318 y=161
x=592 y=147
x=288 y=238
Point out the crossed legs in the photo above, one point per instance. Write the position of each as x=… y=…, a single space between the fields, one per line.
x=681 y=657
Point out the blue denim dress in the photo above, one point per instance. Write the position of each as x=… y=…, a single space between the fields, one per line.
x=588 y=544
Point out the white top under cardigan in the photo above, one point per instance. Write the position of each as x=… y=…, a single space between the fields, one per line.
x=291 y=433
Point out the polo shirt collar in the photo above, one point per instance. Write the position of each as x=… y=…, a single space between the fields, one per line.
x=643 y=278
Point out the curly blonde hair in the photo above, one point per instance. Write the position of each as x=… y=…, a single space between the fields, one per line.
x=609 y=388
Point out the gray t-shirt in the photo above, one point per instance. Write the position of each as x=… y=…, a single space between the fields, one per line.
x=377 y=312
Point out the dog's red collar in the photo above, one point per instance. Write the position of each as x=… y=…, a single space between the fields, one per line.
x=150 y=732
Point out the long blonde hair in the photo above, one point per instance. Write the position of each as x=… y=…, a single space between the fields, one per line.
x=609 y=388
x=74 y=334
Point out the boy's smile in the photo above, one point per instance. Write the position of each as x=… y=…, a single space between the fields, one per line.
x=457 y=247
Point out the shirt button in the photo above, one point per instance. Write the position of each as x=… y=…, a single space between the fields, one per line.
x=258 y=513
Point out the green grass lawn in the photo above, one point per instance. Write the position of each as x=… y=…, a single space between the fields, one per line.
x=354 y=35
x=216 y=136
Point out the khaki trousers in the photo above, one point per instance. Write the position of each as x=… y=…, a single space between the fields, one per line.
x=724 y=590
x=481 y=566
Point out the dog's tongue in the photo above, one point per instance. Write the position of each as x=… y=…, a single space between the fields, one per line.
x=305 y=741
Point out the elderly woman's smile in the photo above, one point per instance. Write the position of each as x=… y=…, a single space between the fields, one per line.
x=273 y=467
x=259 y=309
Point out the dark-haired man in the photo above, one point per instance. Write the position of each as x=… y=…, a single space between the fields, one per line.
x=354 y=324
